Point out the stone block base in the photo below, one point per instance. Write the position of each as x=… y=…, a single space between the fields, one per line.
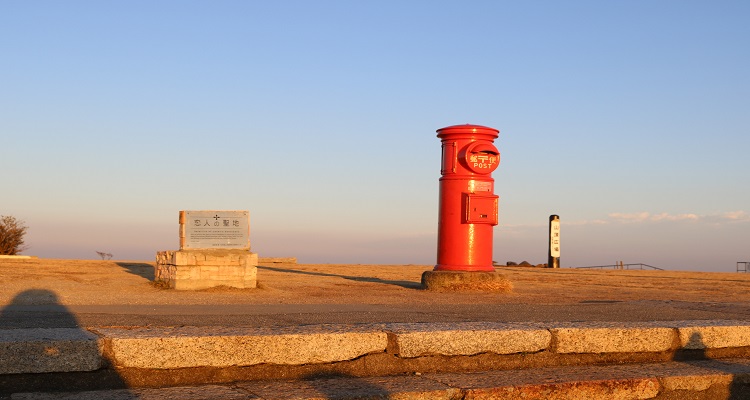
x=203 y=269
x=466 y=281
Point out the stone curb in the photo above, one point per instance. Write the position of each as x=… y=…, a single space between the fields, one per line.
x=185 y=347
x=49 y=350
x=69 y=350
x=468 y=338
x=708 y=379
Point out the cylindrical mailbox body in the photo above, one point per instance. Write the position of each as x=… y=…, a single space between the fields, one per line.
x=468 y=208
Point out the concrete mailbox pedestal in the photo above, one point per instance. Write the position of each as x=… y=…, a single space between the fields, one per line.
x=214 y=251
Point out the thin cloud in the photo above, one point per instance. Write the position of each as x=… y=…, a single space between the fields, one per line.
x=735 y=216
x=587 y=222
x=641 y=217
x=629 y=217
x=678 y=217
x=646 y=217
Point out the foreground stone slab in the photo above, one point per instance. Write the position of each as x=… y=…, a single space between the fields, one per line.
x=182 y=393
x=48 y=350
x=402 y=347
x=495 y=386
x=710 y=379
x=608 y=337
x=470 y=338
x=702 y=375
x=184 y=347
x=713 y=334
x=388 y=387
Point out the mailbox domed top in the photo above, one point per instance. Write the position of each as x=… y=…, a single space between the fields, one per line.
x=468 y=129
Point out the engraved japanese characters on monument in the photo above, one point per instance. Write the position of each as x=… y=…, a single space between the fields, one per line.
x=214 y=230
x=214 y=251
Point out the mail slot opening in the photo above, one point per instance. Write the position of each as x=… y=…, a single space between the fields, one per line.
x=480 y=158
x=485 y=148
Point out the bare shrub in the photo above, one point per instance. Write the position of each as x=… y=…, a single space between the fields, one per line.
x=12 y=231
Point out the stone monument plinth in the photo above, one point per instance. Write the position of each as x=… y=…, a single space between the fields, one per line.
x=214 y=251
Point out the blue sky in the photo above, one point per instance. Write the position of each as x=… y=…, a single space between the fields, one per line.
x=629 y=119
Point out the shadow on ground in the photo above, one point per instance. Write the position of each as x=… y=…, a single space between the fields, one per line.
x=325 y=386
x=41 y=335
x=696 y=355
x=403 y=284
x=141 y=269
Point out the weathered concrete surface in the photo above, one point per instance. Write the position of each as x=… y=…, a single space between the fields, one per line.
x=48 y=350
x=709 y=380
x=207 y=392
x=388 y=387
x=726 y=379
x=468 y=338
x=611 y=338
x=185 y=347
x=713 y=334
x=70 y=349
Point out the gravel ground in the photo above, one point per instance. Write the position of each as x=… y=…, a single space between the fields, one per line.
x=94 y=282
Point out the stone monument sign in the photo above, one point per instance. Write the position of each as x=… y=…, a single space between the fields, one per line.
x=214 y=251
x=214 y=230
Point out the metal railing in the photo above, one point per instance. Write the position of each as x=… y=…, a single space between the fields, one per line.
x=625 y=266
x=745 y=266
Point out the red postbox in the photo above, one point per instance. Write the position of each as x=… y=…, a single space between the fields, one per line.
x=468 y=205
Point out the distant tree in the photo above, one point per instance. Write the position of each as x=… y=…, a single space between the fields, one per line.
x=104 y=256
x=12 y=232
